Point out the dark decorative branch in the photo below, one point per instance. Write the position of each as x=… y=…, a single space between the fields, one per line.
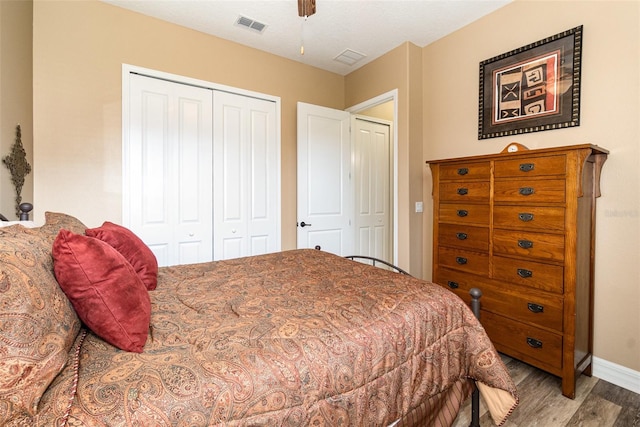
x=18 y=166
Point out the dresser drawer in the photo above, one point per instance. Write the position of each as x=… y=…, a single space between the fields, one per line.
x=460 y=259
x=529 y=306
x=464 y=213
x=530 y=191
x=465 y=171
x=529 y=218
x=458 y=282
x=464 y=236
x=464 y=191
x=528 y=273
x=527 y=244
x=531 y=166
x=533 y=343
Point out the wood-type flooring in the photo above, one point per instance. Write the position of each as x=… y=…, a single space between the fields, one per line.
x=598 y=403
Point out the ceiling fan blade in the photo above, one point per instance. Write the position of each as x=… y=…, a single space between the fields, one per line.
x=306 y=7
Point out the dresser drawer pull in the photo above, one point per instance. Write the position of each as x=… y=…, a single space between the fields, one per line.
x=526 y=167
x=463 y=191
x=525 y=274
x=463 y=171
x=461 y=260
x=526 y=217
x=453 y=285
x=526 y=191
x=461 y=236
x=462 y=212
x=535 y=308
x=525 y=244
x=534 y=343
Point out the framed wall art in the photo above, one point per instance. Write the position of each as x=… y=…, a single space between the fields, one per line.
x=532 y=88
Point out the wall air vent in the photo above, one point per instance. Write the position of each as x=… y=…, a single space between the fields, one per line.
x=251 y=24
x=349 y=57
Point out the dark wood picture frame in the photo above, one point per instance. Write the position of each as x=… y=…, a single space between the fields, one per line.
x=533 y=88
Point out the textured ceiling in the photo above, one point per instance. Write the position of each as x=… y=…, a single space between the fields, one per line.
x=368 y=27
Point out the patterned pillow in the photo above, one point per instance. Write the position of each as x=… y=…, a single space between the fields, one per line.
x=56 y=221
x=37 y=322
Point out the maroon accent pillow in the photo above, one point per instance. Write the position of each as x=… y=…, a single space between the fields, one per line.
x=132 y=248
x=104 y=289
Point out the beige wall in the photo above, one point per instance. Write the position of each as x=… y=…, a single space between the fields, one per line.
x=15 y=96
x=609 y=117
x=383 y=111
x=79 y=49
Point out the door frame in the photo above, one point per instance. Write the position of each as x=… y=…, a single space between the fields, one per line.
x=392 y=95
x=129 y=69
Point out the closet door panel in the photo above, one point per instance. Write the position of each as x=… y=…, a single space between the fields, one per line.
x=167 y=169
x=259 y=180
x=194 y=184
x=228 y=176
x=153 y=146
x=246 y=182
x=264 y=182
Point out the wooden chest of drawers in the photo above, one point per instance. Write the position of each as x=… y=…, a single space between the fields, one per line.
x=521 y=227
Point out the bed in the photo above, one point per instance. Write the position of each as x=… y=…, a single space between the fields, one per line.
x=294 y=338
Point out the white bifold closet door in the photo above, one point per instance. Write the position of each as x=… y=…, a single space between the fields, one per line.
x=246 y=176
x=167 y=169
x=201 y=172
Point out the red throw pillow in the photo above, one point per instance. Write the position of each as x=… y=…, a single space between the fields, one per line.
x=132 y=248
x=104 y=289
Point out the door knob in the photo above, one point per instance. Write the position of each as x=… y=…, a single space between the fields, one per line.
x=304 y=224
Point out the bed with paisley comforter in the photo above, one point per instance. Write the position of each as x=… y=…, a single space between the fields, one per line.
x=294 y=338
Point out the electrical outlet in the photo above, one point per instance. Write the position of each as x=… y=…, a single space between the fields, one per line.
x=419 y=207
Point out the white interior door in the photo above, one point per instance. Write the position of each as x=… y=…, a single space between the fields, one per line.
x=246 y=176
x=324 y=189
x=167 y=170
x=372 y=175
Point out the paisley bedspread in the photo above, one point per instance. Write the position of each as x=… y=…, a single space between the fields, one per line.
x=294 y=338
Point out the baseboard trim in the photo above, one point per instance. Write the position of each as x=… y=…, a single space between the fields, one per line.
x=616 y=374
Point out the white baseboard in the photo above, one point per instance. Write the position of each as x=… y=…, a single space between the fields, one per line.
x=616 y=374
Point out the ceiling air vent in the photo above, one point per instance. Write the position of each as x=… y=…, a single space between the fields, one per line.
x=349 y=57
x=251 y=24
